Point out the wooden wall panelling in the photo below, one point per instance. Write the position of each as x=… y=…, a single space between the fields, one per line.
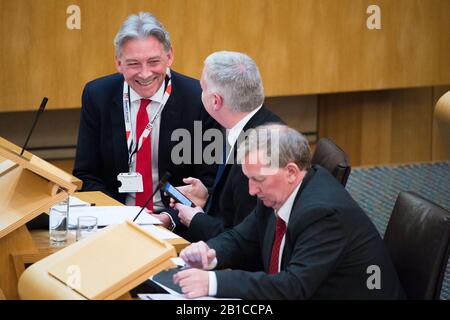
x=389 y=126
x=438 y=152
x=301 y=46
x=340 y=120
x=299 y=112
x=376 y=129
x=411 y=125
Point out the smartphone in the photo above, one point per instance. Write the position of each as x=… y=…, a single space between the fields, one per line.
x=177 y=195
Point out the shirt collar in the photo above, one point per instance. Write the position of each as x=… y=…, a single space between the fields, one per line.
x=285 y=211
x=134 y=96
x=234 y=132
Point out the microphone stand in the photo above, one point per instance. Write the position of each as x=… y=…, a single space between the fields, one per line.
x=161 y=183
x=40 y=110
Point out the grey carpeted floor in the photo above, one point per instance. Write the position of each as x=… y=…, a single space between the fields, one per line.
x=376 y=189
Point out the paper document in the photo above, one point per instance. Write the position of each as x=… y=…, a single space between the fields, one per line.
x=160 y=233
x=107 y=215
x=75 y=202
x=168 y=296
x=178 y=261
x=5 y=165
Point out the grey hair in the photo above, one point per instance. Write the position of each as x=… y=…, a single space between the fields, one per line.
x=235 y=76
x=280 y=145
x=142 y=25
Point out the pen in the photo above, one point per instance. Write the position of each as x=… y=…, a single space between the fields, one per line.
x=92 y=204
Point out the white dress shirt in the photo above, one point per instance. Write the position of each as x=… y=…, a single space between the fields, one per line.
x=284 y=213
x=152 y=108
x=233 y=133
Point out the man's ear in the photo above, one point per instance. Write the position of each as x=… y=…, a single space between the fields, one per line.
x=293 y=172
x=118 y=64
x=169 y=57
x=218 y=101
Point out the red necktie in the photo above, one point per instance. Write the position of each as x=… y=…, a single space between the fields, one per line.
x=144 y=157
x=279 y=233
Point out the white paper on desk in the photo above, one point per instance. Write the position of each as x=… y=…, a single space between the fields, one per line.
x=178 y=261
x=75 y=202
x=160 y=233
x=107 y=215
x=168 y=296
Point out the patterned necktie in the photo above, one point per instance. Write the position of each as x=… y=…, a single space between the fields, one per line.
x=274 y=258
x=144 y=157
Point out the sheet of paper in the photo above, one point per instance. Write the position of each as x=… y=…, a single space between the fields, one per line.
x=160 y=233
x=75 y=202
x=168 y=296
x=178 y=261
x=6 y=165
x=107 y=215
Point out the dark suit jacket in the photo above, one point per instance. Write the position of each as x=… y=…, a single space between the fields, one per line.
x=329 y=245
x=230 y=200
x=102 y=148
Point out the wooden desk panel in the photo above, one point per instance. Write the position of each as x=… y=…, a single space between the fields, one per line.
x=101 y=199
x=42 y=244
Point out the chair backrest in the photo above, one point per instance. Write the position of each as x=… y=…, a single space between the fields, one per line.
x=418 y=240
x=330 y=156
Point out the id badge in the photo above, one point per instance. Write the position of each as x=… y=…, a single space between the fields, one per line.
x=131 y=182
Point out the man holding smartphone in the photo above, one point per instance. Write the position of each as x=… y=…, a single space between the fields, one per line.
x=233 y=95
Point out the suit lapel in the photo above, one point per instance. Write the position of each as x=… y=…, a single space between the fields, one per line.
x=256 y=120
x=269 y=236
x=252 y=123
x=287 y=250
x=118 y=131
x=170 y=121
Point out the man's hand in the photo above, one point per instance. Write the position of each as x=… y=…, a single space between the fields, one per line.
x=195 y=190
x=194 y=283
x=164 y=218
x=186 y=214
x=198 y=255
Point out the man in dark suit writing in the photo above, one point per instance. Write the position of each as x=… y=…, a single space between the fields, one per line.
x=306 y=238
x=128 y=118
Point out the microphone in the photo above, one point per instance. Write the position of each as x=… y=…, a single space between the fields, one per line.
x=161 y=184
x=39 y=112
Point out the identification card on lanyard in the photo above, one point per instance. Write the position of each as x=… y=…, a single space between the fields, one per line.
x=132 y=181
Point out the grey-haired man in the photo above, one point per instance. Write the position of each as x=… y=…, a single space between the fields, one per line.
x=127 y=119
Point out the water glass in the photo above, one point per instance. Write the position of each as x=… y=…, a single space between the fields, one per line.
x=86 y=226
x=58 y=223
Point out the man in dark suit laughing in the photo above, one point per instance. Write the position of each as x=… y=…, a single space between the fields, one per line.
x=128 y=118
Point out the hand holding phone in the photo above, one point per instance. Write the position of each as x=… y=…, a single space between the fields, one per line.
x=177 y=195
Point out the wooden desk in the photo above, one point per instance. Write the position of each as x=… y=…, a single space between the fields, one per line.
x=42 y=241
x=101 y=199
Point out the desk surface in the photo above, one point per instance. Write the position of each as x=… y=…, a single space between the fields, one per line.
x=42 y=242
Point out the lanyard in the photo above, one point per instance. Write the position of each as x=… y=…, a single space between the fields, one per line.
x=148 y=128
